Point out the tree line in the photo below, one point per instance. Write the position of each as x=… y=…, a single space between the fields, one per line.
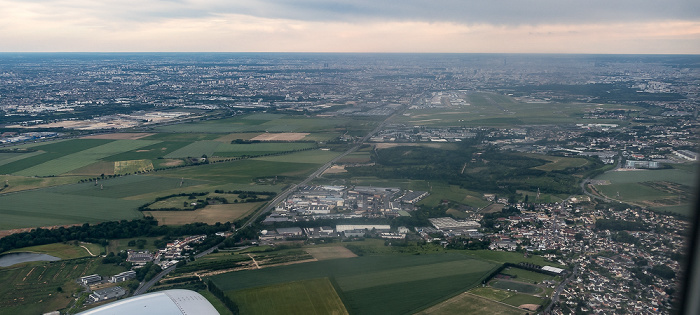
x=100 y=233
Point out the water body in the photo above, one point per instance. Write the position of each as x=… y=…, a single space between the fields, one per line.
x=16 y=258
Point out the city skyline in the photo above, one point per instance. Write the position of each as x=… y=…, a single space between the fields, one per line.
x=543 y=26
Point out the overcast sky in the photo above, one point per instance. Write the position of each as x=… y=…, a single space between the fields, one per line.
x=483 y=26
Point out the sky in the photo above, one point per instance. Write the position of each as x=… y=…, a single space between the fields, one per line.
x=446 y=26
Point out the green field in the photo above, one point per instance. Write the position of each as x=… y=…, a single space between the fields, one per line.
x=310 y=156
x=489 y=109
x=218 y=305
x=491 y=293
x=69 y=162
x=520 y=299
x=195 y=149
x=49 y=152
x=42 y=208
x=32 y=288
x=470 y=304
x=315 y=296
x=515 y=286
x=526 y=275
x=647 y=188
x=384 y=284
x=229 y=150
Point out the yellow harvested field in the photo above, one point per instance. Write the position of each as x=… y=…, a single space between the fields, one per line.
x=330 y=252
x=209 y=214
x=284 y=136
x=120 y=136
x=132 y=166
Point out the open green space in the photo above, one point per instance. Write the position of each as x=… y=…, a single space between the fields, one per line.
x=43 y=208
x=515 y=286
x=195 y=149
x=375 y=284
x=470 y=304
x=33 y=288
x=491 y=293
x=242 y=171
x=664 y=190
x=520 y=299
x=495 y=110
x=50 y=151
x=66 y=163
x=315 y=296
x=229 y=150
x=63 y=251
x=526 y=275
x=218 y=305
x=310 y=156
x=150 y=152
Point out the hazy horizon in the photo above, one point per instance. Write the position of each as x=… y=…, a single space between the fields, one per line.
x=444 y=26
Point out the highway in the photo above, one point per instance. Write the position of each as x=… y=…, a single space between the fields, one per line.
x=282 y=196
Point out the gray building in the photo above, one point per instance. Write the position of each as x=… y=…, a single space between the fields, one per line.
x=106 y=294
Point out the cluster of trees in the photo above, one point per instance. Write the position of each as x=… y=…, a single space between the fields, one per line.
x=232 y=306
x=100 y=233
x=480 y=170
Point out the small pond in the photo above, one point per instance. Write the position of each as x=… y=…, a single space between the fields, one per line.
x=7 y=260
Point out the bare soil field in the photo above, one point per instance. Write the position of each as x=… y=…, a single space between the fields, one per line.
x=119 y=136
x=330 y=252
x=284 y=136
x=335 y=169
x=210 y=214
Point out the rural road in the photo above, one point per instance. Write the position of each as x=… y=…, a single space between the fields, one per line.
x=143 y=288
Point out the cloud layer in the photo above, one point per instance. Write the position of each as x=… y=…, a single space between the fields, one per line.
x=559 y=26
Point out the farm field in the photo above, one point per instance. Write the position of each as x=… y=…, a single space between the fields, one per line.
x=218 y=305
x=209 y=214
x=45 y=208
x=329 y=252
x=50 y=151
x=32 y=288
x=241 y=171
x=468 y=304
x=315 y=296
x=657 y=189
x=310 y=156
x=67 y=163
x=375 y=284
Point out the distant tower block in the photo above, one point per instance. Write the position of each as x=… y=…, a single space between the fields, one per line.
x=538 y=194
x=101 y=187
